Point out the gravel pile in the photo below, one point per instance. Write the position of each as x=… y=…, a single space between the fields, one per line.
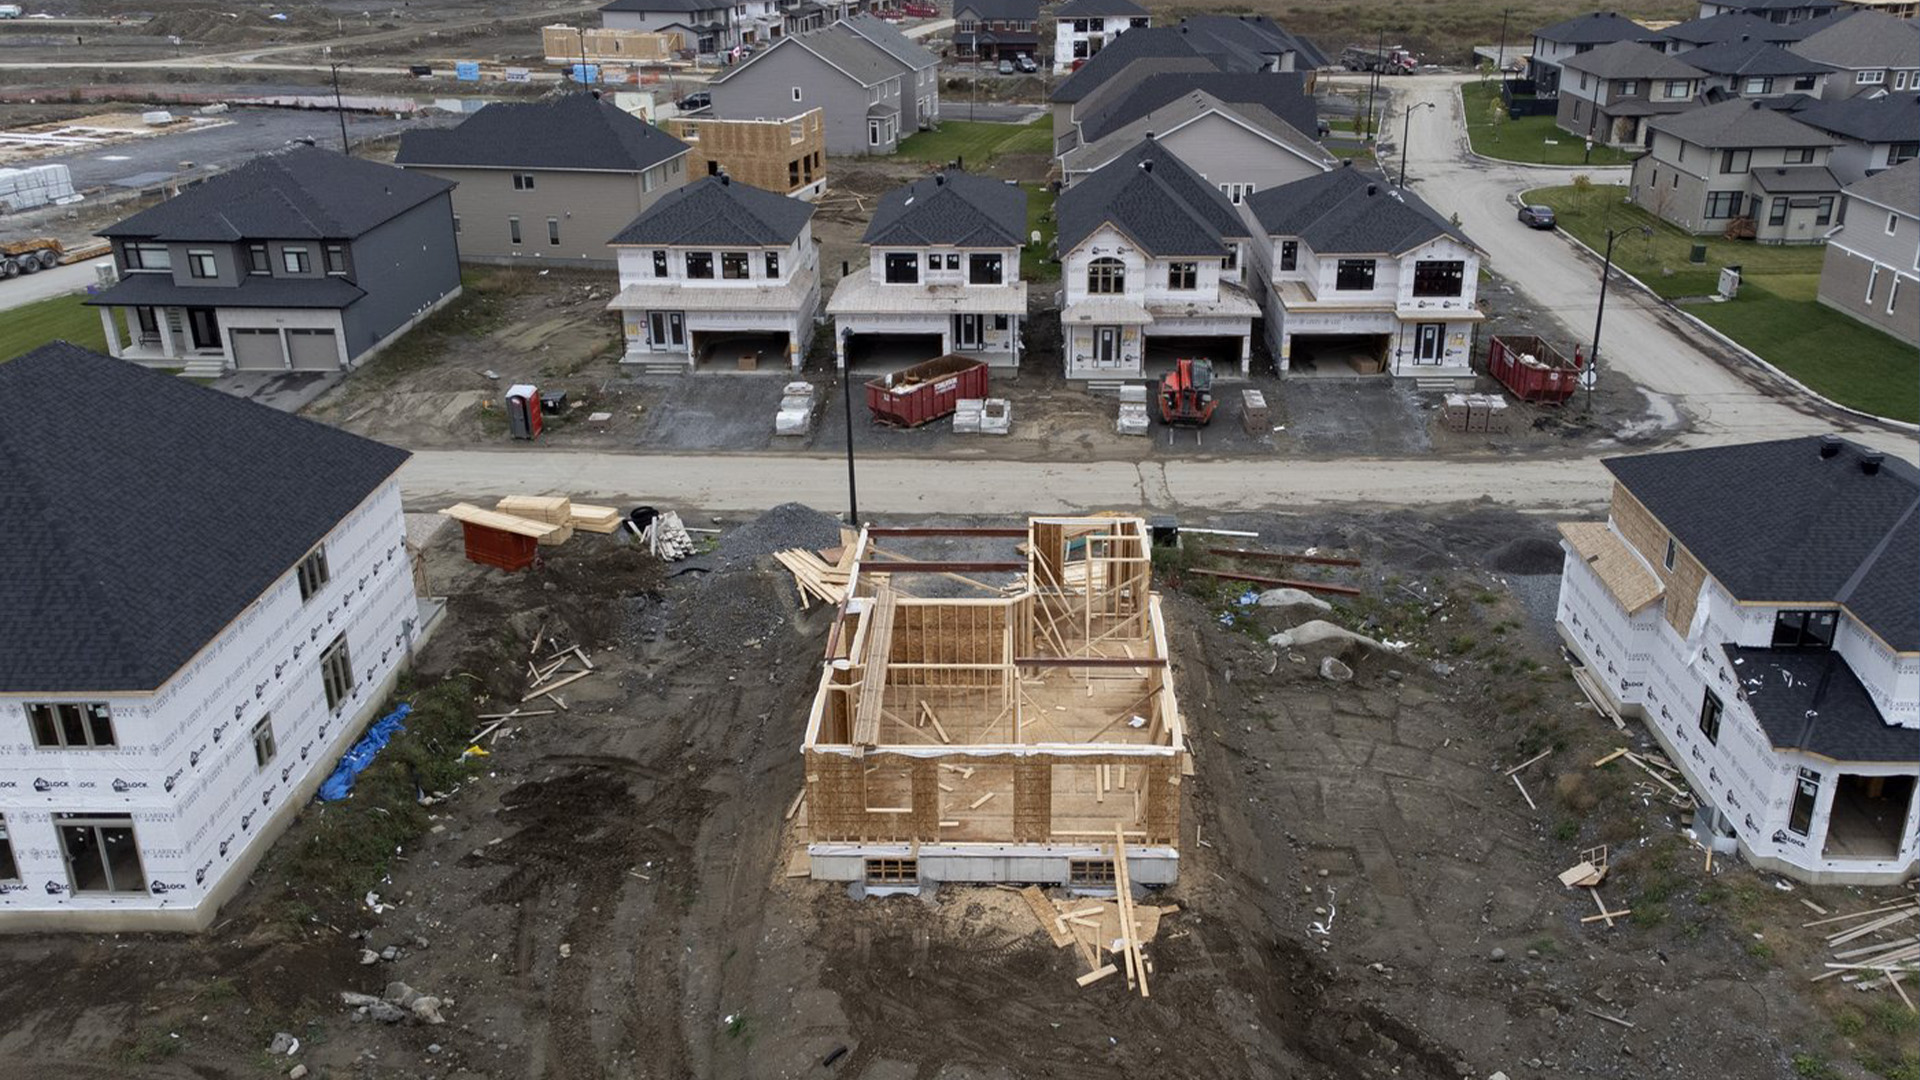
x=789 y=525
x=1527 y=555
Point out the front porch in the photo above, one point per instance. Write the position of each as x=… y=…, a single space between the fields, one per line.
x=166 y=337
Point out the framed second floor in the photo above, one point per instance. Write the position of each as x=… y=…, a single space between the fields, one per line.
x=1108 y=263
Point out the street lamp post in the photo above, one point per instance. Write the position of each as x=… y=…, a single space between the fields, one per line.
x=1373 y=85
x=1500 y=64
x=581 y=32
x=340 y=110
x=846 y=397
x=1406 y=137
x=1591 y=375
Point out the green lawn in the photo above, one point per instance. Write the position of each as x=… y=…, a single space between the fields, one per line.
x=978 y=142
x=1775 y=314
x=24 y=329
x=1778 y=317
x=1525 y=139
x=1036 y=260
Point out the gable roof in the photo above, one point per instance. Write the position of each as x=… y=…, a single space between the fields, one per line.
x=677 y=6
x=1740 y=122
x=1093 y=9
x=1862 y=41
x=892 y=42
x=1897 y=189
x=578 y=131
x=1777 y=522
x=1890 y=119
x=299 y=194
x=1349 y=211
x=1779 y=5
x=1631 y=60
x=1280 y=93
x=1235 y=43
x=1154 y=198
x=135 y=538
x=1597 y=28
x=1028 y=10
x=1184 y=110
x=1752 y=58
x=952 y=207
x=718 y=210
x=1249 y=38
x=840 y=46
x=1164 y=42
x=1732 y=26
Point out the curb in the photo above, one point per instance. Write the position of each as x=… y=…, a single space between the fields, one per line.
x=1751 y=356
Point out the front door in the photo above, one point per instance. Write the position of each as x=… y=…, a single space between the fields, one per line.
x=666 y=331
x=1106 y=347
x=203 y=328
x=1427 y=340
x=967 y=332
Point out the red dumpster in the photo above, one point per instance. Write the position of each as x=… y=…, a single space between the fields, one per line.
x=926 y=391
x=1532 y=368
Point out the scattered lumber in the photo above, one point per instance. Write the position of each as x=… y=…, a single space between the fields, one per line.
x=1610 y=1019
x=1529 y=761
x=469 y=514
x=1096 y=975
x=1620 y=753
x=794 y=807
x=1596 y=697
x=1044 y=913
x=1531 y=805
x=1124 y=889
x=568 y=681
x=814 y=576
x=556 y=511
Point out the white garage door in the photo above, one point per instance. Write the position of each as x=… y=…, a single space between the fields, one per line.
x=257 y=350
x=313 y=350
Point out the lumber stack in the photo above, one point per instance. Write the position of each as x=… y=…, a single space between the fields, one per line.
x=1874 y=948
x=555 y=510
x=822 y=575
x=493 y=519
x=594 y=519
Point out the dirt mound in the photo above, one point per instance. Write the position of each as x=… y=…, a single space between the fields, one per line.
x=214 y=27
x=1526 y=555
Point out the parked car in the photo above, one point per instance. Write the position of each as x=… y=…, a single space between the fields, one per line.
x=695 y=101
x=1006 y=67
x=1025 y=64
x=1537 y=217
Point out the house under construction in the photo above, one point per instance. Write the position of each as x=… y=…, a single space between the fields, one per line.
x=1009 y=735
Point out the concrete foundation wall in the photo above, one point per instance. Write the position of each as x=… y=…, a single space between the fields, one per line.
x=1045 y=864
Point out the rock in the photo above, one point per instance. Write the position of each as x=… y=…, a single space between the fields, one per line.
x=1298 y=600
x=1323 y=872
x=1498 y=1076
x=385 y=1013
x=427 y=1010
x=348 y=997
x=1319 y=639
x=1533 y=954
x=566 y=950
x=1334 y=671
x=298 y=1072
x=282 y=1044
x=369 y=957
x=401 y=994
x=433 y=1048
x=1498 y=956
x=419 y=942
x=390 y=953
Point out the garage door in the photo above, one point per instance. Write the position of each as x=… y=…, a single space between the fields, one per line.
x=257 y=350
x=313 y=350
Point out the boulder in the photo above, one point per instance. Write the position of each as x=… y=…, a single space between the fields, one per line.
x=426 y=1009
x=1320 y=639
x=1297 y=602
x=1333 y=670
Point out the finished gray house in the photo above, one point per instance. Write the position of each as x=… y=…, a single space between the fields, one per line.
x=301 y=260
x=1607 y=94
x=1870 y=53
x=874 y=85
x=705 y=26
x=1872 y=267
x=1554 y=44
x=547 y=181
x=1739 y=168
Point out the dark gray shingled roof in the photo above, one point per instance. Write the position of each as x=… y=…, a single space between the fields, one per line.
x=954 y=208
x=299 y=194
x=1894 y=118
x=1812 y=701
x=1732 y=27
x=1751 y=58
x=1250 y=37
x=1148 y=41
x=892 y=42
x=680 y=6
x=1740 y=122
x=1776 y=522
x=1028 y=10
x=1863 y=40
x=715 y=210
x=253 y=291
x=1632 y=60
x=1167 y=209
x=1897 y=188
x=1349 y=211
x=577 y=131
x=1597 y=28
x=1279 y=92
x=1239 y=43
x=134 y=538
x=1098 y=9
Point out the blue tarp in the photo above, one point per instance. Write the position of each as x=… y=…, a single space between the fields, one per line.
x=340 y=784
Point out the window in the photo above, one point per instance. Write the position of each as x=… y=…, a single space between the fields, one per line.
x=1682 y=157
x=263 y=745
x=456 y=224
x=202 y=264
x=1237 y=193
x=336 y=258
x=903 y=268
x=523 y=181
x=985 y=269
x=1902 y=151
x=1805 y=82
x=1803 y=629
x=796 y=130
x=1723 y=204
x=1673 y=551
x=873 y=133
x=1353 y=275
x=700 y=265
x=1893 y=224
x=1655 y=182
x=513 y=230
x=793 y=173
x=1137 y=22
x=1001 y=322
x=1675 y=88
x=1583 y=80
x=148 y=257
x=1869 y=78
x=258 y=261
x=1183 y=275
x=1735 y=161
x=1439 y=277
x=1893 y=293
x=9 y=868
x=336 y=672
x=1825 y=215
x=953 y=260
x=933 y=262
x=649 y=180
x=1289 y=254
x=1806 y=793
x=773 y=264
x=1777 y=214
x=312 y=573
x=796 y=97
x=71 y=725
x=1629 y=87
x=1710 y=713
x=893 y=871
x=1091 y=873
x=1873 y=283
x=659 y=264
x=733 y=265
x=1760 y=84
x=1080 y=50
x=1802 y=156
x=296 y=261
x=100 y=853
x=1232 y=260
x=1899 y=81
x=1106 y=276
x=1080 y=26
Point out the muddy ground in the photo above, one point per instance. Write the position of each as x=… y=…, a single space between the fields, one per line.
x=605 y=895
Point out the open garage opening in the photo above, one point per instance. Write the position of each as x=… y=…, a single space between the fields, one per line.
x=1163 y=353
x=740 y=350
x=1339 y=354
x=890 y=352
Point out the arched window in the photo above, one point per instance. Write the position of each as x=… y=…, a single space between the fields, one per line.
x=1106 y=277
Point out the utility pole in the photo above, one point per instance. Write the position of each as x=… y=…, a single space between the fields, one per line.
x=846 y=397
x=1591 y=375
x=1374 y=85
x=581 y=31
x=340 y=110
x=1500 y=65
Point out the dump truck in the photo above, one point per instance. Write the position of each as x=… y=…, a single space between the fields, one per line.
x=29 y=255
x=1387 y=60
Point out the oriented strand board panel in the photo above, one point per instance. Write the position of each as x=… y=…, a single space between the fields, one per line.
x=1618 y=568
x=519 y=526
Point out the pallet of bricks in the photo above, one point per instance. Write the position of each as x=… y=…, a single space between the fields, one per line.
x=1476 y=414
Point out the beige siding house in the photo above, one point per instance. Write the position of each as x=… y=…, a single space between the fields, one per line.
x=548 y=182
x=1740 y=168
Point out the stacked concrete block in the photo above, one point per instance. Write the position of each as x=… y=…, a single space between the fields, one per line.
x=1254 y=416
x=967 y=414
x=37 y=185
x=1453 y=412
x=796 y=410
x=1499 y=416
x=996 y=416
x=1133 y=410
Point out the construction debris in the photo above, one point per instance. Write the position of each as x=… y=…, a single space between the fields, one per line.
x=1894 y=955
x=822 y=575
x=665 y=537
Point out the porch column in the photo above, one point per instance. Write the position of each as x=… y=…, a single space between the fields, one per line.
x=112 y=332
x=131 y=316
x=839 y=345
x=1246 y=352
x=161 y=318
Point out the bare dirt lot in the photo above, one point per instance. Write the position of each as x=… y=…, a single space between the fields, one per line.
x=605 y=894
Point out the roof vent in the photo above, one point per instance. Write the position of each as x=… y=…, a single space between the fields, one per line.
x=1146 y=165
x=1149 y=134
x=1870 y=462
x=1829 y=446
x=725 y=180
x=939 y=179
x=1373 y=189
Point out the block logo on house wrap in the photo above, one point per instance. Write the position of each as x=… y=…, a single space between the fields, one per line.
x=219 y=733
x=1782 y=836
x=225 y=843
x=246 y=821
x=200 y=875
x=172 y=779
x=12 y=887
x=42 y=784
x=55 y=888
x=162 y=888
x=123 y=786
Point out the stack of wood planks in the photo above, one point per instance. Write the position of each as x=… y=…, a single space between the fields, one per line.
x=555 y=510
x=493 y=519
x=1879 y=951
x=822 y=575
x=595 y=519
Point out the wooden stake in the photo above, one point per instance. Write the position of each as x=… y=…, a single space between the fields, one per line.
x=1610 y=1019
x=575 y=677
x=1523 y=791
x=794 y=807
x=1096 y=975
x=981 y=801
x=1622 y=752
x=1604 y=913
x=1529 y=761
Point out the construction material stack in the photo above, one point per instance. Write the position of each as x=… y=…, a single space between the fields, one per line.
x=555 y=510
x=1254 y=416
x=1133 y=410
x=796 y=410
